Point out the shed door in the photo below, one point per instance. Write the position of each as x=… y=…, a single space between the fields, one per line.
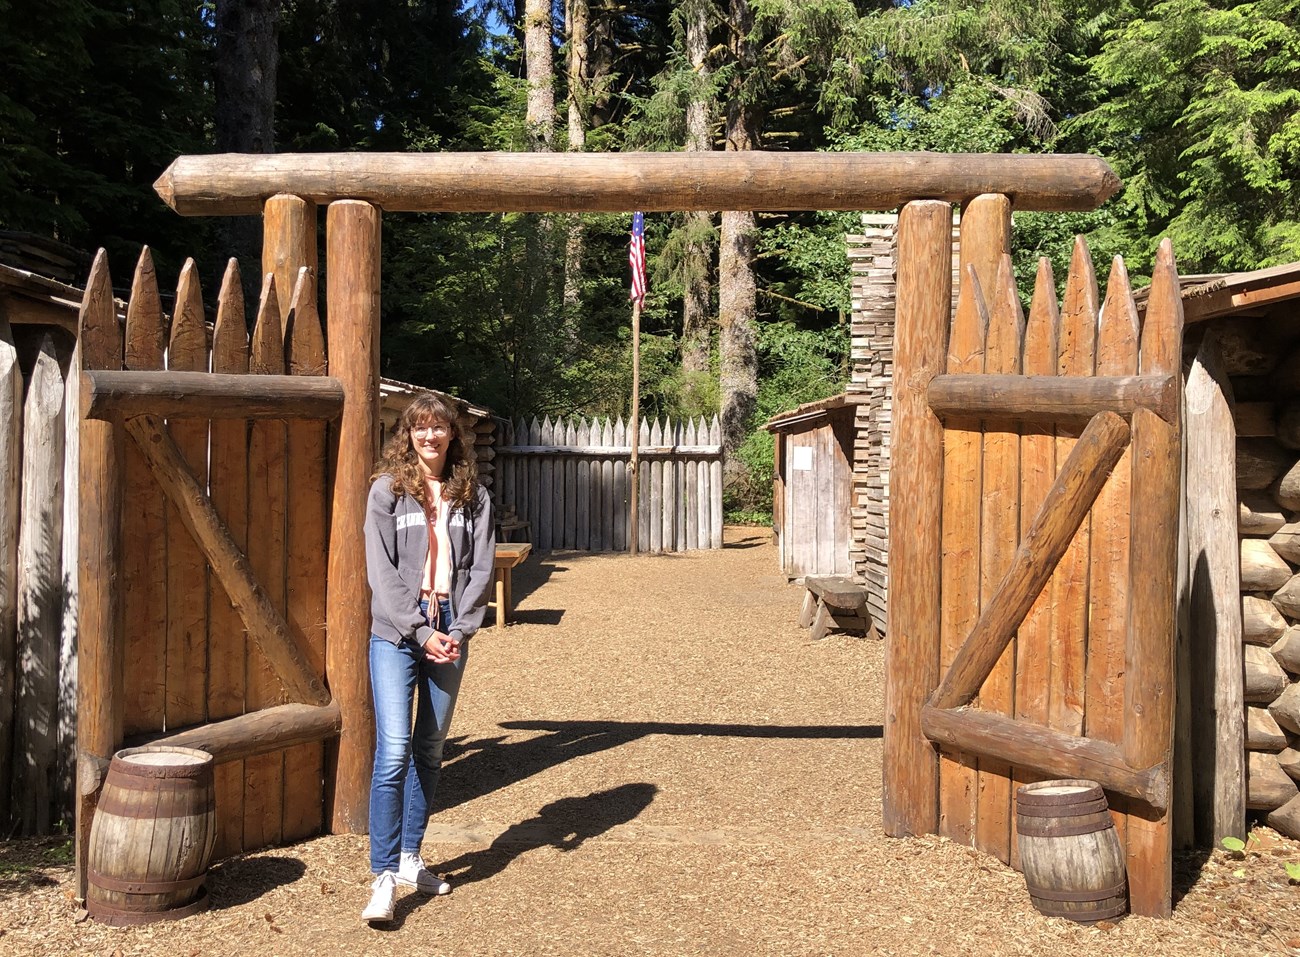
x=816 y=506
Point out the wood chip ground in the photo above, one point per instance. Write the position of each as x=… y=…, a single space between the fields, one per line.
x=656 y=760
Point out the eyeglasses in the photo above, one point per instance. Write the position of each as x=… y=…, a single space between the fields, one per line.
x=438 y=431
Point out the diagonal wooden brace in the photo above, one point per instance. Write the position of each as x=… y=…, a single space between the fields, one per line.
x=266 y=626
x=1067 y=503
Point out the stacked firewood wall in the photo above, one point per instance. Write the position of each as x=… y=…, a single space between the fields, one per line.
x=1262 y=357
x=871 y=258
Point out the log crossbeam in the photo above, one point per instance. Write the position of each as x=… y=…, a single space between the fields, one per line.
x=1051 y=399
x=266 y=626
x=121 y=394
x=237 y=184
x=1077 y=485
x=1045 y=751
x=259 y=732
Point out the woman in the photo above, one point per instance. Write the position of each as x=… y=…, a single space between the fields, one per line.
x=429 y=550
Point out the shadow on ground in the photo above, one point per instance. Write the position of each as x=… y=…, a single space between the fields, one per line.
x=240 y=880
x=563 y=824
x=485 y=765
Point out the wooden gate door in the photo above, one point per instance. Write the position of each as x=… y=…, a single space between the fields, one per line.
x=1037 y=483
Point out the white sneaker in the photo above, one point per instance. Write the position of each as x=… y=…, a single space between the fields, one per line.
x=383 y=894
x=412 y=873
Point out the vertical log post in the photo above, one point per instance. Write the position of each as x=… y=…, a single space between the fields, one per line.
x=99 y=628
x=228 y=484
x=1103 y=719
x=144 y=538
x=11 y=437
x=1218 y=694
x=264 y=793
x=352 y=258
x=1069 y=585
x=307 y=547
x=288 y=244
x=999 y=536
x=289 y=252
x=1149 y=658
x=1037 y=472
x=960 y=569
x=924 y=303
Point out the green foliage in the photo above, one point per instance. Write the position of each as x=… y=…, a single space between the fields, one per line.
x=1202 y=120
x=795 y=366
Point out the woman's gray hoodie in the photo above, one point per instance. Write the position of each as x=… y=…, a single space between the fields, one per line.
x=397 y=544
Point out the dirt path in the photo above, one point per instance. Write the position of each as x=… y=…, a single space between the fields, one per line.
x=655 y=760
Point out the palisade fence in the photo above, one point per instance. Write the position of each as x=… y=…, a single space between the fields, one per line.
x=571 y=480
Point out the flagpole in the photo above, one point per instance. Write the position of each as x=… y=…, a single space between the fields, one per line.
x=635 y=520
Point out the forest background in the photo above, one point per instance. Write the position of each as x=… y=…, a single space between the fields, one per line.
x=1196 y=105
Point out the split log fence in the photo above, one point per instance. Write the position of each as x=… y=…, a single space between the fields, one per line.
x=571 y=481
x=1036 y=483
x=38 y=540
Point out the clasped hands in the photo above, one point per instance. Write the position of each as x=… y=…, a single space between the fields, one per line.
x=442 y=649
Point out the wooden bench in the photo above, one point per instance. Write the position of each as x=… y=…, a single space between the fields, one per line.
x=508 y=555
x=838 y=601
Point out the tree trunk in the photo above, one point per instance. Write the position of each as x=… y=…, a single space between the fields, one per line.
x=697 y=317
x=540 y=118
x=737 y=294
x=248 y=55
x=576 y=20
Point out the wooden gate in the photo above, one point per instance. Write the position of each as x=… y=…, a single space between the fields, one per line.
x=1034 y=525
x=221 y=548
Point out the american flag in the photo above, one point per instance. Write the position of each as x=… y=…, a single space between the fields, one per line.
x=636 y=257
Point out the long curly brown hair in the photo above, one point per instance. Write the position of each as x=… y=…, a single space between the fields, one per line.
x=399 y=459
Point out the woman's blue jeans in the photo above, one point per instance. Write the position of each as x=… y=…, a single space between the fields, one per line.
x=408 y=753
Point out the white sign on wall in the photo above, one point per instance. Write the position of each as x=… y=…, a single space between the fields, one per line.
x=802 y=459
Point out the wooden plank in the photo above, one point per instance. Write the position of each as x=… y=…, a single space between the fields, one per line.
x=1040 y=552
x=1117 y=342
x=263 y=622
x=307 y=522
x=99 y=624
x=999 y=536
x=353 y=265
x=643 y=492
x=691 y=491
x=545 y=491
x=558 y=518
x=1149 y=663
x=656 y=500
x=1216 y=639
x=669 y=494
x=960 y=582
x=622 y=491
x=570 y=487
x=206 y=395
x=923 y=301
x=11 y=432
x=66 y=774
x=144 y=538
x=264 y=800
x=39 y=606
x=228 y=492
x=715 y=486
x=703 y=492
x=607 y=490
x=187 y=633
x=1037 y=471
x=1045 y=751
x=236 y=184
x=582 y=480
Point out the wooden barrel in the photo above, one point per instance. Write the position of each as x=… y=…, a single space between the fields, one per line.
x=1069 y=851
x=152 y=835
